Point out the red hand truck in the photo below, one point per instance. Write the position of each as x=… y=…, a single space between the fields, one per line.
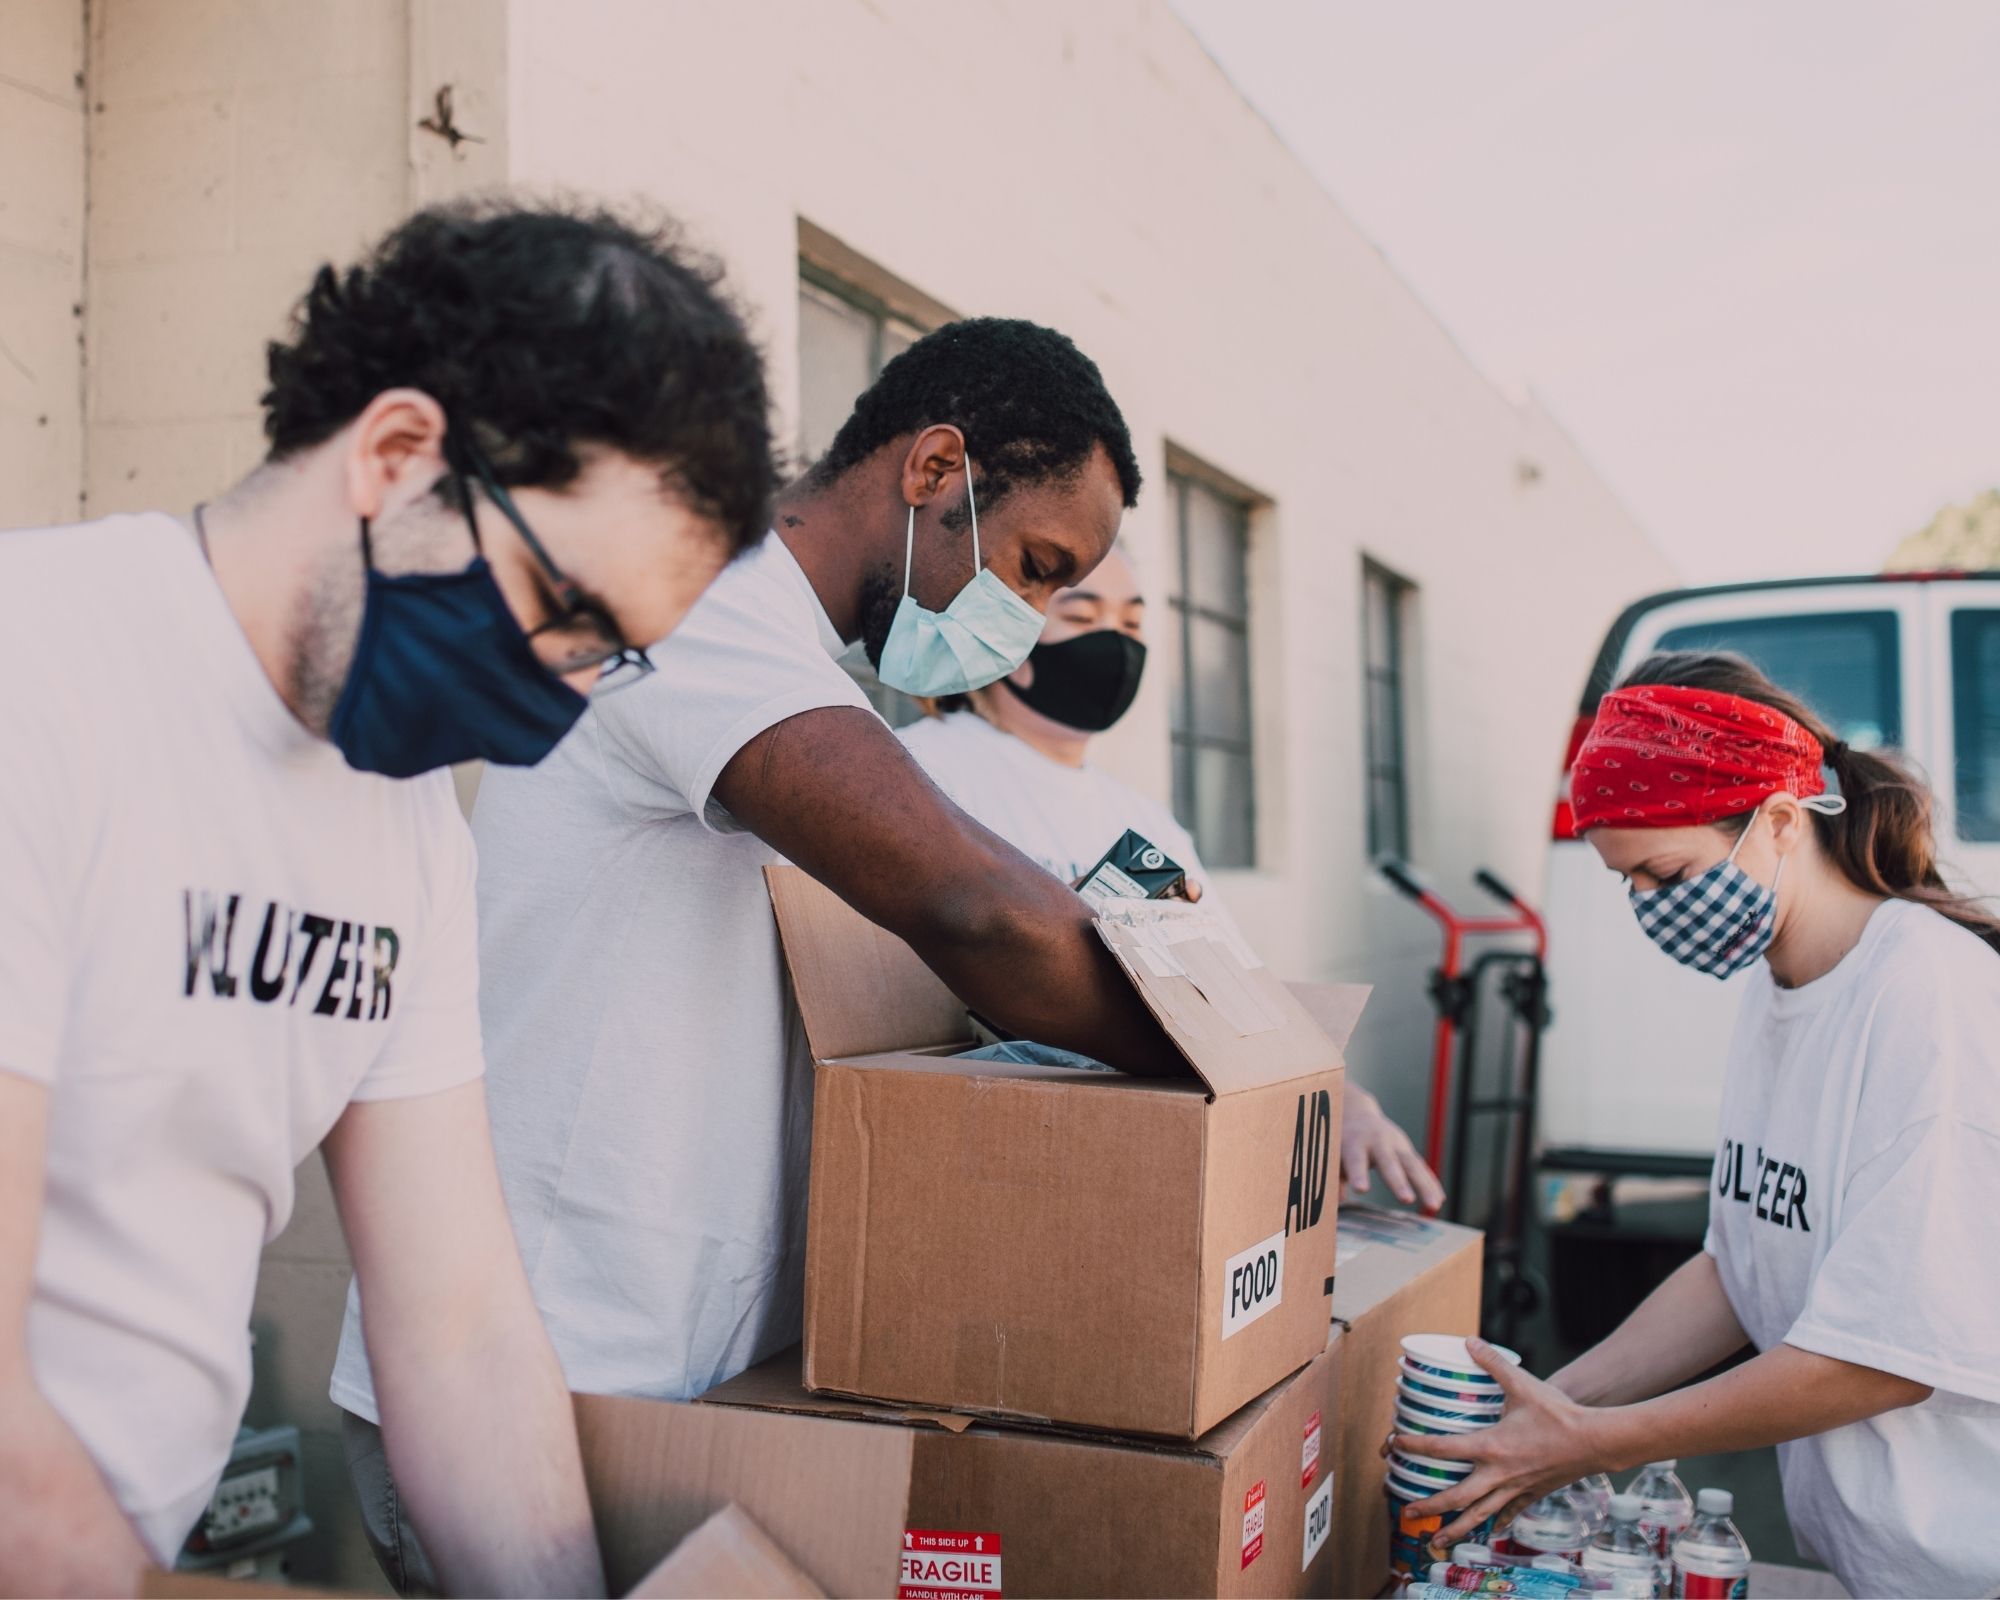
x=1456 y=990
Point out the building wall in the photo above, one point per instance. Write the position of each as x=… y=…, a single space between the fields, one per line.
x=42 y=140
x=1090 y=167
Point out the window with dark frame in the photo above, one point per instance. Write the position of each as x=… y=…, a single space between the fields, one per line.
x=846 y=337
x=1385 y=603
x=1215 y=793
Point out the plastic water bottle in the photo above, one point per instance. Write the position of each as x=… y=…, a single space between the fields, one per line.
x=1592 y=1496
x=1620 y=1548
x=1552 y=1526
x=1711 y=1561
x=1665 y=1506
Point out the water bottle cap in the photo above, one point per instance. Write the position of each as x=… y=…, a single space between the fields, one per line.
x=1670 y=1463
x=1715 y=1502
x=1471 y=1555
x=1440 y=1570
x=1624 y=1508
x=1550 y=1563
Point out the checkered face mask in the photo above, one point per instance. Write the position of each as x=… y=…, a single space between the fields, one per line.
x=1717 y=923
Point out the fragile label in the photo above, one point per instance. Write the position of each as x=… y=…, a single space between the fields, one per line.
x=1253 y=1283
x=1309 y=1452
x=1253 y=1523
x=1319 y=1520
x=942 y=1564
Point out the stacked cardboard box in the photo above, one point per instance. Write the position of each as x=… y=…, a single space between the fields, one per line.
x=1246 y=1509
x=1398 y=1274
x=1127 y=1280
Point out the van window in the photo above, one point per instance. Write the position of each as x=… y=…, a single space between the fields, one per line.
x=1975 y=716
x=1841 y=663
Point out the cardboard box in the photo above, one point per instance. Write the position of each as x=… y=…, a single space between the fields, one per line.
x=1247 y=1509
x=1399 y=1274
x=727 y=1558
x=1144 y=1255
x=831 y=1496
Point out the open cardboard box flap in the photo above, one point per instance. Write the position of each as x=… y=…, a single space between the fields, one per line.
x=727 y=1558
x=862 y=991
x=833 y=1497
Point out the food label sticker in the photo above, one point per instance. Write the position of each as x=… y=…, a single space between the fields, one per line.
x=1319 y=1520
x=1253 y=1522
x=1309 y=1452
x=943 y=1564
x=1253 y=1282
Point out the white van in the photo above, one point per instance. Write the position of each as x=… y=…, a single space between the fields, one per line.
x=1631 y=1078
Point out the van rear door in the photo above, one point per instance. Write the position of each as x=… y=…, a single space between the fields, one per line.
x=1964 y=667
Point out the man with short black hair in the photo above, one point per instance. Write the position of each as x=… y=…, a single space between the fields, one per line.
x=506 y=451
x=652 y=1096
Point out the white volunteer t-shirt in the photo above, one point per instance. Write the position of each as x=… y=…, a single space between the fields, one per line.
x=650 y=1088
x=1854 y=1212
x=214 y=934
x=1063 y=817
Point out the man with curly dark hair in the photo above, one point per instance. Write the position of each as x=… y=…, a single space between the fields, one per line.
x=651 y=1092
x=507 y=450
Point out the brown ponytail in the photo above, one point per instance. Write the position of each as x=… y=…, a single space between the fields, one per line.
x=1884 y=842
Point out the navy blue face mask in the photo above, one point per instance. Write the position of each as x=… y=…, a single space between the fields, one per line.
x=443 y=673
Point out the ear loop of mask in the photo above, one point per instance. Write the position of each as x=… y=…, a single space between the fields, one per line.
x=910 y=531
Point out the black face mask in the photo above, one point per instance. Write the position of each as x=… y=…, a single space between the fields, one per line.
x=1086 y=683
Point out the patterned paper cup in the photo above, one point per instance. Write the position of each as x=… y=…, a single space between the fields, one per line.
x=1459 y=1394
x=1444 y=1355
x=1417 y=1422
x=1443 y=1406
x=1428 y=1469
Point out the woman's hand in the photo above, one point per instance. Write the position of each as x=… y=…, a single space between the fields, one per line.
x=1368 y=1138
x=1545 y=1441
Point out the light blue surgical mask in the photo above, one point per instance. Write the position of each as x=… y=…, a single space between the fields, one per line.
x=984 y=634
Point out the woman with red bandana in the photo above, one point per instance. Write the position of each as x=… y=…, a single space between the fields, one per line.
x=1854 y=1220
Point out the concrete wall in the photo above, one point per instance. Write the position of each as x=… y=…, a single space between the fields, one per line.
x=42 y=140
x=1090 y=167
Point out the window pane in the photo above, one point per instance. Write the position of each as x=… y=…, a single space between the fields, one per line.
x=836 y=345
x=1215 y=554
x=1221 y=667
x=897 y=336
x=1975 y=680
x=1388 y=834
x=1385 y=744
x=1170 y=652
x=1223 y=829
x=1842 y=664
x=1378 y=628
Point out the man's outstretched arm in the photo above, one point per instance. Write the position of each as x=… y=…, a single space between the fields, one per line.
x=834 y=791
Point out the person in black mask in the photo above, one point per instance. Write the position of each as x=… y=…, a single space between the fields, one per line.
x=507 y=452
x=1016 y=756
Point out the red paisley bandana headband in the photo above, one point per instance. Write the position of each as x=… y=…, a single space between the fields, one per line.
x=1666 y=757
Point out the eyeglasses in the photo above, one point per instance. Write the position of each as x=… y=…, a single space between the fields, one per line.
x=600 y=642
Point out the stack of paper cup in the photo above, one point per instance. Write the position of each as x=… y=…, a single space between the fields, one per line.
x=1440 y=1391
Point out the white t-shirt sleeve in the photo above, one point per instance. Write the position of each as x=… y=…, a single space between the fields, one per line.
x=746 y=658
x=433 y=1041
x=1901 y=1287
x=41 y=876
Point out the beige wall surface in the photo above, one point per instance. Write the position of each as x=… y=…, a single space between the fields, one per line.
x=42 y=135
x=235 y=145
x=1090 y=167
